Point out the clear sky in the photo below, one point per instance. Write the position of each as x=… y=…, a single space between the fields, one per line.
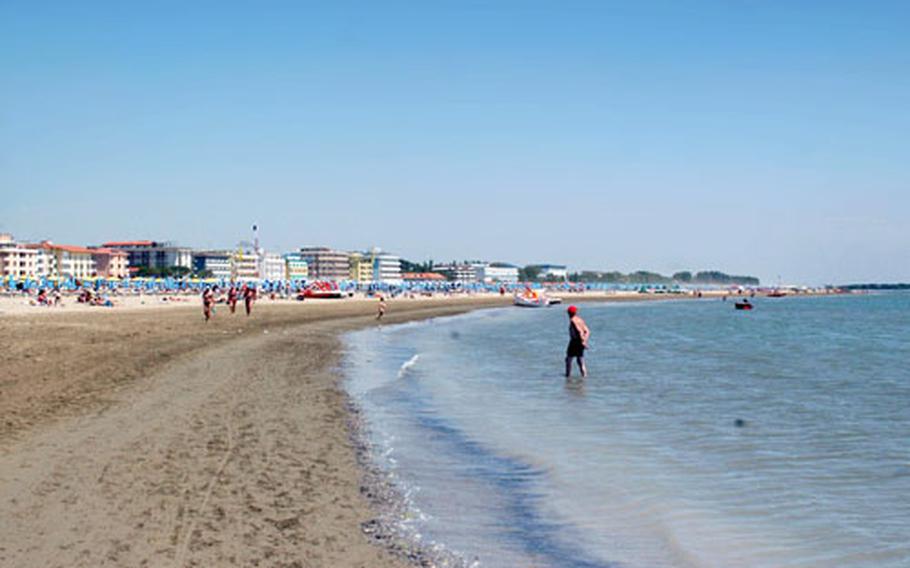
x=766 y=138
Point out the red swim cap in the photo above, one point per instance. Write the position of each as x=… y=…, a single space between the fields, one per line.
x=572 y=310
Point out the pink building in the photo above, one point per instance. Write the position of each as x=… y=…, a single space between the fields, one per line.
x=110 y=263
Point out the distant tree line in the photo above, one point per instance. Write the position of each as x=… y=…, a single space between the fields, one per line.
x=647 y=277
x=530 y=273
x=534 y=273
x=408 y=266
x=877 y=286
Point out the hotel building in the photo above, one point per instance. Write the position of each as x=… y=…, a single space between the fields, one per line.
x=273 y=267
x=110 y=263
x=497 y=272
x=65 y=261
x=295 y=267
x=16 y=260
x=326 y=264
x=458 y=272
x=386 y=267
x=215 y=262
x=361 y=267
x=247 y=265
x=152 y=254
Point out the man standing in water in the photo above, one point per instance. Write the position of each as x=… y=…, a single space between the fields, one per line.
x=578 y=342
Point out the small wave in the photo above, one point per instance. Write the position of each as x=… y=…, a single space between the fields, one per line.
x=407 y=366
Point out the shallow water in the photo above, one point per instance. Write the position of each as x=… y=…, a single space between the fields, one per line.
x=643 y=464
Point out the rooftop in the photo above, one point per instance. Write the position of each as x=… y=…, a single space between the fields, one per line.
x=129 y=244
x=47 y=245
x=422 y=276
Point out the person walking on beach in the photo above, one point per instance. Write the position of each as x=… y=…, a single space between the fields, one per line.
x=232 y=298
x=249 y=296
x=578 y=342
x=208 y=300
x=382 y=308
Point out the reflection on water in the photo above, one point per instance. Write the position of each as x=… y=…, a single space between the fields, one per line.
x=702 y=436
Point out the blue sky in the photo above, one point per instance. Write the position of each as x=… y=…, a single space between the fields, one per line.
x=767 y=138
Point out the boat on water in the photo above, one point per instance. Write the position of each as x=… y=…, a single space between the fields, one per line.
x=531 y=299
x=776 y=294
x=743 y=305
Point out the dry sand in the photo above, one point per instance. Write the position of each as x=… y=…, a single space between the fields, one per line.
x=149 y=438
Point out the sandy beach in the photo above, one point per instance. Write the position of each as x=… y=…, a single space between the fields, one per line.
x=145 y=437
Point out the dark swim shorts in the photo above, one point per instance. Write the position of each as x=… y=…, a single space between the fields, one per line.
x=575 y=349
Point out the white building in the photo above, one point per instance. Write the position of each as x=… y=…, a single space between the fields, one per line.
x=295 y=267
x=153 y=254
x=497 y=272
x=65 y=261
x=218 y=262
x=247 y=265
x=458 y=272
x=386 y=267
x=273 y=267
x=16 y=260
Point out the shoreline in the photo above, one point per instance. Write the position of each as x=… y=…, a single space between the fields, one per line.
x=58 y=402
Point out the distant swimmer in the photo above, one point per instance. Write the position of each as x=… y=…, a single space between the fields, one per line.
x=382 y=308
x=578 y=342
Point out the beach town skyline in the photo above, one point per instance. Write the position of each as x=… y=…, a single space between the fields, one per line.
x=41 y=260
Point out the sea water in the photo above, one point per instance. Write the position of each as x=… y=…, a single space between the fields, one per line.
x=703 y=436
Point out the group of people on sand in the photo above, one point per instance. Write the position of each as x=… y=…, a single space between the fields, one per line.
x=214 y=295
x=86 y=296
x=54 y=298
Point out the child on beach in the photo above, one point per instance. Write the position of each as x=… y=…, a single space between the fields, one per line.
x=382 y=307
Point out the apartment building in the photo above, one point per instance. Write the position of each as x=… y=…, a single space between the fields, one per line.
x=497 y=272
x=110 y=263
x=16 y=260
x=215 y=262
x=386 y=267
x=296 y=267
x=361 y=267
x=458 y=272
x=153 y=254
x=326 y=264
x=247 y=265
x=65 y=261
